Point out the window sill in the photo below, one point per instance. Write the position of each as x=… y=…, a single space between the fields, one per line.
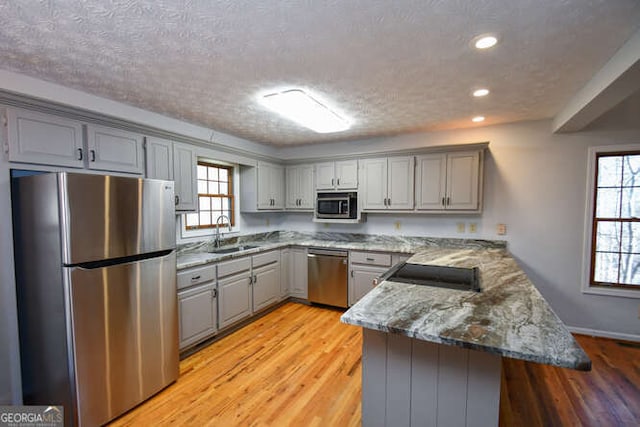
x=612 y=292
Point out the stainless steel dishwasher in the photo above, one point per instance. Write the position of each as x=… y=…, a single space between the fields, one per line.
x=328 y=277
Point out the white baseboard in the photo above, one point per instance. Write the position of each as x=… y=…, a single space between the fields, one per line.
x=604 y=334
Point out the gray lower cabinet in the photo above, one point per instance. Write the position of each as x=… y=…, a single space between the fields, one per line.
x=197 y=304
x=266 y=279
x=298 y=271
x=198 y=308
x=365 y=268
x=285 y=260
x=234 y=286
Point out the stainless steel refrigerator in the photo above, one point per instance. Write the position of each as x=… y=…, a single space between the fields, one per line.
x=96 y=286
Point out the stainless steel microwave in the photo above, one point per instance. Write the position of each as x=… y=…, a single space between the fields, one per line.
x=337 y=205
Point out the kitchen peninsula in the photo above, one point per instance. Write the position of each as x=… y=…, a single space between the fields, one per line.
x=432 y=356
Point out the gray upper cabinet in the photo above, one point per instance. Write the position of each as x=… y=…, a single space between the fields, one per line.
x=177 y=162
x=185 y=163
x=340 y=175
x=114 y=150
x=50 y=140
x=44 y=139
x=388 y=183
x=159 y=158
x=449 y=181
x=262 y=187
x=299 y=186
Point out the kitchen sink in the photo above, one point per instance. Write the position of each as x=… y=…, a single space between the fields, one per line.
x=232 y=249
x=463 y=279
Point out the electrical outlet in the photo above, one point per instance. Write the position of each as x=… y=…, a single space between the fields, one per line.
x=397 y=225
x=501 y=229
x=473 y=227
x=461 y=227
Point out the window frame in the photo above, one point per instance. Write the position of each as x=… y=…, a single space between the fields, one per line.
x=231 y=195
x=186 y=234
x=589 y=253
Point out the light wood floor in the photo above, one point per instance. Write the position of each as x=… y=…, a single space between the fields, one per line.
x=299 y=366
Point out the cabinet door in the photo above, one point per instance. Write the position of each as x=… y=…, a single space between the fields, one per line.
x=115 y=150
x=198 y=314
x=375 y=183
x=305 y=189
x=266 y=286
x=159 y=158
x=234 y=299
x=185 y=175
x=431 y=175
x=400 y=182
x=364 y=280
x=299 y=187
x=44 y=139
x=292 y=187
x=298 y=270
x=277 y=186
x=284 y=272
x=325 y=176
x=462 y=180
x=270 y=186
x=347 y=175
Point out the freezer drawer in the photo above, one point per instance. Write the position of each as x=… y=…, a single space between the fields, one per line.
x=125 y=334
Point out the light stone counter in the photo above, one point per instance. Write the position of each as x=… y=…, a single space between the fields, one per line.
x=508 y=317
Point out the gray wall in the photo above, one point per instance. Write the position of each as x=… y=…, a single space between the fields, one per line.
x=535 y=182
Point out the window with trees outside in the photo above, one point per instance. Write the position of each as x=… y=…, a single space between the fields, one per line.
x=215 y=197
x=615 y=245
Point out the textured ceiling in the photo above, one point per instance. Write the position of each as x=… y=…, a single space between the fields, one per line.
x=392 y=66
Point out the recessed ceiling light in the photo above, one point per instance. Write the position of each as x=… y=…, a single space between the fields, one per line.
x=485 y=42
x=478 y=119
x=480 y=92
x=300 y=107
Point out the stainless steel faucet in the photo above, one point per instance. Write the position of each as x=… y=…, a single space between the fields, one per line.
x=216 y=242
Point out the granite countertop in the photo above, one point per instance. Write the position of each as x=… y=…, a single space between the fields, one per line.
x=508 y=317
x=193 y=255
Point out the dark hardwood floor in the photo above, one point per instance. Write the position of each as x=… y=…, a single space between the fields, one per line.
x=299 y=366
x=608 y=395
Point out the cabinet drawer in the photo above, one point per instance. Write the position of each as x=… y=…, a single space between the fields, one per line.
x=266 y=258
x=234 y=266
x=194 y=276
x=370 y=258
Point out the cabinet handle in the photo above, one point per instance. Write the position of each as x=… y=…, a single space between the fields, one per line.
x=370 y=259
x=214 y=294
x=333 y=181
x=388 y=202
x=351 y=273
x=255 y=279
x=93 y=155
x=443 y=201
x=338 y=181
x=448 y=201
x=177 y=200
x=250 y=280
x=195 y=278
x=79 y=153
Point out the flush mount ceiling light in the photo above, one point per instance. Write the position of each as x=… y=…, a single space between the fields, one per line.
x=485 y=42
x=478 y=119
x=302 y=108
x=480 y=92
